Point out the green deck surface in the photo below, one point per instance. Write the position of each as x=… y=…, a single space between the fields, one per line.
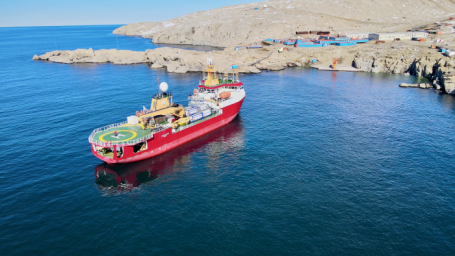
x=124 y=133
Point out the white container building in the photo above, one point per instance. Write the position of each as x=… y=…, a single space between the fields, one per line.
x=390 y=36
x=359 y=35
x=418 y=34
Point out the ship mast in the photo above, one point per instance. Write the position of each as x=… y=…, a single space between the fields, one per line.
x=211 y=79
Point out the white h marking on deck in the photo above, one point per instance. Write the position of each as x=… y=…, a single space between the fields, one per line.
x=118 y=136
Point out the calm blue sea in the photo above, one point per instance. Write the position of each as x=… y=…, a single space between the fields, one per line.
x=317 y=163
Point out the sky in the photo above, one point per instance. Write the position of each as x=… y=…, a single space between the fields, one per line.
x=20 y=13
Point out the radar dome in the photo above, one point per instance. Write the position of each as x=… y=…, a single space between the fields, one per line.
x=163 y=87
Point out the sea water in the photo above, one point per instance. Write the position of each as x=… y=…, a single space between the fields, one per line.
x=324 y=163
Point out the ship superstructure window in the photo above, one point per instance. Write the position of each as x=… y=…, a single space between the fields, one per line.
x=119 y=152
x=140 y=147
x=106 y=152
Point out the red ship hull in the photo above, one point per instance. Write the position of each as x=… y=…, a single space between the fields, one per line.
x=166 y=140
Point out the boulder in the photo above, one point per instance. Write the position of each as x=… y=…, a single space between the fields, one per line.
x=425 y=86
x=448 y=80
x=157 y=65
x=409 y=85
x=436 y=84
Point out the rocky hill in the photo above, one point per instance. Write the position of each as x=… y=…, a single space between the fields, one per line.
x=242 y=24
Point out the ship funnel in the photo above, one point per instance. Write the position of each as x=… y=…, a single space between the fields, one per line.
x=163 y=87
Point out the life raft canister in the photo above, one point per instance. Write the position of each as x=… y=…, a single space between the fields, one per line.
x=225 y=95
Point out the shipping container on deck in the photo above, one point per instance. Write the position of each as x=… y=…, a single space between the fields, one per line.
x=207 y=112
x=196 y=117
x=191 y=111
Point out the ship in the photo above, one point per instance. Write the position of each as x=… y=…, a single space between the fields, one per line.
x=167 y=125
x=126 y=177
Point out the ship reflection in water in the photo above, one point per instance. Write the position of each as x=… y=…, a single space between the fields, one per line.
x=125 y=177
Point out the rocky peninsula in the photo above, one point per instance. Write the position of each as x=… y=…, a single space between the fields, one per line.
x=394 y=58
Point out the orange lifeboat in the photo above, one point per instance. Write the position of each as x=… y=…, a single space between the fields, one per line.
x=225 y=95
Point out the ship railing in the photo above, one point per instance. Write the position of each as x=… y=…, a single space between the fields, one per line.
x=106 y=127
x=198 y=98
x=222 y=82
x=121 y=143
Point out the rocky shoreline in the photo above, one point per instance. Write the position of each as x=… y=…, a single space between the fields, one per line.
x=388 y=58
